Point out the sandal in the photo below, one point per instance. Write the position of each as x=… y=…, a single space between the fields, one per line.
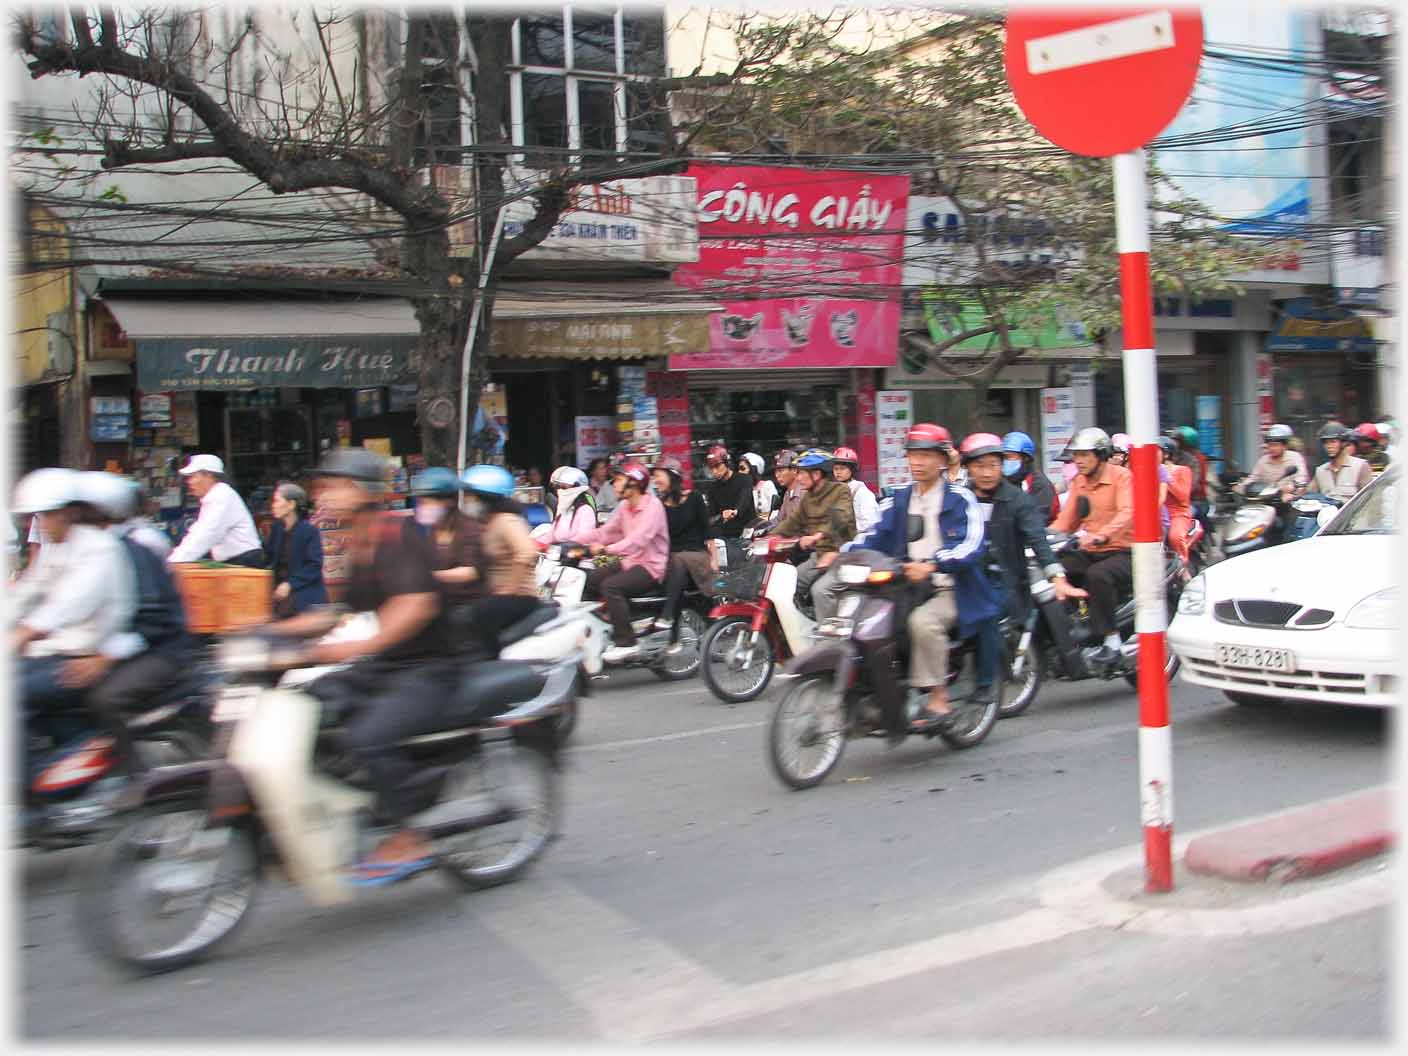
x=932 y=722
x=375 y=874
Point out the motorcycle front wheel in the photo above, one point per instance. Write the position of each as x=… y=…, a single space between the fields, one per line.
x=1171 y=666
x=808 y=732
x=672 y=667
x=737 y=668
x=517 y=776
x=1023 y=685
x=166 y=888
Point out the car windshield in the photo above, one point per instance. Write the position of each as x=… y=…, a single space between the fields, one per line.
x=1374 y=511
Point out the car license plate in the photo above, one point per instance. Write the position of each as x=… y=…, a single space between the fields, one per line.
x=1279 y=660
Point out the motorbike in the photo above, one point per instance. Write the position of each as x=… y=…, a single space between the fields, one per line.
x=180 y=872
x=1258 y=517
x=74 y=772
x=854 y=681
x=1308 y=509
x=756 y=622
x=562 y=577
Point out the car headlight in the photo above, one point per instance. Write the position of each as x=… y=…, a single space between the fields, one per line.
x=1194 y=598
x=1377 y=612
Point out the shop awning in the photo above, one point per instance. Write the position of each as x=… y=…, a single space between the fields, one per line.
x=598 y=320
x=264 y=343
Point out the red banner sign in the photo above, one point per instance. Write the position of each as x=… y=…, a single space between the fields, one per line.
x=806 y=262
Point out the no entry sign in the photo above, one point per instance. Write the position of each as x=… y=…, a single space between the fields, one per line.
x=1103 y=82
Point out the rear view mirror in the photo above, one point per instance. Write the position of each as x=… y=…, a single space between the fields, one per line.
x=915 y=527
x=1325 y=516
x=1083 y=507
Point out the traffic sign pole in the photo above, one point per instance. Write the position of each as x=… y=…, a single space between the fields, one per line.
x=1141 y=401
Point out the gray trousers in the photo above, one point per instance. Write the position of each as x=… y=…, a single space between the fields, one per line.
x=928 y=640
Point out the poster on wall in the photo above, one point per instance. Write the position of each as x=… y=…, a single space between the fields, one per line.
x=672 y=402
x=791 y=253
x=595 y=433
x=894 y=414
x=1058 y=424
x=1209 y=426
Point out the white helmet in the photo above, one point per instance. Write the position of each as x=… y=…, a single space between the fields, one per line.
x=568 y=477
x=113 y=496
x=45 y=490
x=760 y=467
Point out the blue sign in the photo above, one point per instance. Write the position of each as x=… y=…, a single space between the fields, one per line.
x=1209 y=426
x=1305 y=326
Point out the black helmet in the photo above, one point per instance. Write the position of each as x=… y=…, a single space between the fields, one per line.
x=368 y=468
x=1335 y=431
x=1170 y=446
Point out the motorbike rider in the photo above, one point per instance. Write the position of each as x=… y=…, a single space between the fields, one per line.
x=456 y=544
x=1013 y=524
x=639 y=534
x=1342 y=474
x=576 y=507
x=405 y=670
x=151 y=652
x=822 y=521
x=785 y=470
x=507 y=555
x=78 y=593
x=730 y=497
x=1119 y=449
x=599 y=472
x=1103 y=564
x=944 y=566
x=764 y=490
x=845 y=465
x=223 y=528
x=1019 y=466
x=688 y=521
x=1177 y=505
x=1271 y=467
x=1369 y=446
x=1190 y=454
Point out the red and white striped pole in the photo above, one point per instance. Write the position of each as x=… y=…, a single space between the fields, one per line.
x=1141 y=401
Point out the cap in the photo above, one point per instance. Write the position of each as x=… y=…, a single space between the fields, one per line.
x=203 y=464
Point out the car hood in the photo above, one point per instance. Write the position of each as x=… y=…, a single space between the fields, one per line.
x=1333 y=572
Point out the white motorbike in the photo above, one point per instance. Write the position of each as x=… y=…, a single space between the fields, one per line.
x=193 y=841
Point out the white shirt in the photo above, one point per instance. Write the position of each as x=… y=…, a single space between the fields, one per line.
x=867 y=510
x=1343 y=482
x=763 y=494
x=223 y=529
x=79 y=591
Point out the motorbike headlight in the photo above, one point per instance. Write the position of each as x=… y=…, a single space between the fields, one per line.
x=1193 y=601
x=1377 y=612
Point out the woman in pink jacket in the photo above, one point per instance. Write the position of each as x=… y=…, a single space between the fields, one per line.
x=639 y=535
x=575 y=513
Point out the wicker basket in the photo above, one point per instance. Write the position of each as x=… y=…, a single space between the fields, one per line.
x=220 y=598
x=743 y=582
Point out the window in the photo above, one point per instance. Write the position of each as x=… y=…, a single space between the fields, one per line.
x=578 y=81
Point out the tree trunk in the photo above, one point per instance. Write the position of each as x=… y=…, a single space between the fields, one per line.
x=437 y=402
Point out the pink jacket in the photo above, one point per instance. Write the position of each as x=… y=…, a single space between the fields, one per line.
x=638 y=535
x=575 y=527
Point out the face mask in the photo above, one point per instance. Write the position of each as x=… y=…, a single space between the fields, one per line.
x=428 y=514
x=1012 y=469
x=472 y=505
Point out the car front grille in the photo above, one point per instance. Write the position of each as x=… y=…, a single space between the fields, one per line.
x=1256 y=613
x=1306 y=681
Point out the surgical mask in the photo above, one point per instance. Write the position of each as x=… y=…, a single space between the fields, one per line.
x=1012 y=467
x=472 y=505
x=429 y=514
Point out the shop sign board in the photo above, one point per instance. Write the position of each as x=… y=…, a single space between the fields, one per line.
x=1209 y=426
x=894 y=414
x=154 y=410
x=672 y=400
x=1305 y=326
x=601 y=337
x=167 y=364
x=650 y=220
x=1058 y=423
x=807 y=263
x=595 y=435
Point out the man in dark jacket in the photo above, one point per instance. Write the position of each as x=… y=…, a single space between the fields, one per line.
x=730 y=497
x=1013 y=524
x=822 y=521
x=1019 y=466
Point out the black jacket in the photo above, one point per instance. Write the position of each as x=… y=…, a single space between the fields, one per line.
x=160 y=617
x=1042 y=493
x=736 y=493
x=688 y=523
x=1015 y=525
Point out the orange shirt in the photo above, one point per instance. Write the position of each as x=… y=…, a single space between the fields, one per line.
x=1180 y=491
x=1111 y=496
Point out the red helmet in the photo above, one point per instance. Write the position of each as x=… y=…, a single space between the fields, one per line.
x=846 y=457
x=1368 y=431
x=718 y=453
x=926 y=436
x=634 y=472
x=976 y=445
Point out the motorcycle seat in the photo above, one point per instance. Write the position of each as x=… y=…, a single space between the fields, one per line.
x=521 y=629
x=489 y=688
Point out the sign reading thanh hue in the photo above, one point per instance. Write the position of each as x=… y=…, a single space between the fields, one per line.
x=167 y=364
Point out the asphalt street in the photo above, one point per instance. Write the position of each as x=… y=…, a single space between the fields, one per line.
x=692 y=896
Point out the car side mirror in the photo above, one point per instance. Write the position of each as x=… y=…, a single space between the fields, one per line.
x=915 y=526
x=1083 y=507
x=1325 y=516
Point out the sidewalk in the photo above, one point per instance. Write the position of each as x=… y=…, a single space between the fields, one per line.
x=1303 y=842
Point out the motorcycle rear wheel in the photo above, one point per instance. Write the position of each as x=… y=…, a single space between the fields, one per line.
x=522 y=777
x=134 y=854
x=806 y=717
x=685 y=663
x=736 y=685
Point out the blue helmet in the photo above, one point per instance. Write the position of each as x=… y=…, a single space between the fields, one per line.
x=437 y=481
x=815 y=458
x=488 y=480
x=1020 y=443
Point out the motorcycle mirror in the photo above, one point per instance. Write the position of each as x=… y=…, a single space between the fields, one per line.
x=1083 y=507
x=915 y=526
x=1325 y=516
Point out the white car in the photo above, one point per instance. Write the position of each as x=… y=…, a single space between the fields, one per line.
x=1316 y=619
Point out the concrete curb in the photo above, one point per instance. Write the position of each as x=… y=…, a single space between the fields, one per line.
x=1307 y=841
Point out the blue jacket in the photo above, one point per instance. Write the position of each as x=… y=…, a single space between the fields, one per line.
x=305 y=563
x=962 y=549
